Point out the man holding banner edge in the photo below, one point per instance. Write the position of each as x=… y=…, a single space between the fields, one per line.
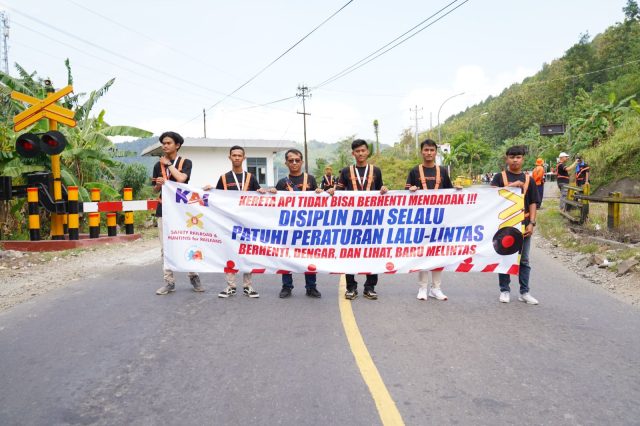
x=429 y=176
x=361 y=177
x=297 y=181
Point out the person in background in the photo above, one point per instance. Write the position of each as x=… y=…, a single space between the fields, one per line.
x=538 y=178
x=582 y=171
x=328 y=180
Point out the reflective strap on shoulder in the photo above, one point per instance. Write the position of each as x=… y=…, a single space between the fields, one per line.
x=246 y=182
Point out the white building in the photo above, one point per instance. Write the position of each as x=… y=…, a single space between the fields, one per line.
x=210 y=158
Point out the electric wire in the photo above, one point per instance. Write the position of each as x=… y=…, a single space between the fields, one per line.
x=273 y=62
x=133 y=30
x=118 y=55
x=364 y=61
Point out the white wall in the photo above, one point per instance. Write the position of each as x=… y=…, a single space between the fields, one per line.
x=210 y=163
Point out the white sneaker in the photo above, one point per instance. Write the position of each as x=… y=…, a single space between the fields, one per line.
x=504 y=297
x=436 y=293
x=422 y=293
x=528 y=299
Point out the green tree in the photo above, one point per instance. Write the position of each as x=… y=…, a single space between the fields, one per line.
x=631 y=10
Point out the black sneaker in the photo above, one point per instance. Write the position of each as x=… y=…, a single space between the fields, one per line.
x=285 y=292
x=313 y=292
x=250 y=292
x=227 y=292
x=351 y=294
x=370 y=294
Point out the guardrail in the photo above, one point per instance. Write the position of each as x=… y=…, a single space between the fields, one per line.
x=576 y=197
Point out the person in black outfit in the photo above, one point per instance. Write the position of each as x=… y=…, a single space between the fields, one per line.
x=361 y=177
x=514 y=177
x=328 y=180
x=177 y=169
x=297 y=181
x=237 y=179
x=429 y=176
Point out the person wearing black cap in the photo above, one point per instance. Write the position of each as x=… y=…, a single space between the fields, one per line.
x=177 y=169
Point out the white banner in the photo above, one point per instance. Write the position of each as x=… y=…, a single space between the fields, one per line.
x=471 y=230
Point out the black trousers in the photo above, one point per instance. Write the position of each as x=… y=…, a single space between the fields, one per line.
x=369 y=283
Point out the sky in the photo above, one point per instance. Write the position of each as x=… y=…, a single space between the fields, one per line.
x=172 y=60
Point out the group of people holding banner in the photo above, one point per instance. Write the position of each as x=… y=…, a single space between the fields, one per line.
x=361 y=176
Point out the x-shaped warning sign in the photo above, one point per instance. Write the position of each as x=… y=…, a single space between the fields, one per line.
x=43 y=108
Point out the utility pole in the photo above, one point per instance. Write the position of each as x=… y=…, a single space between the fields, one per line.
x=415 y=111
x=375 y=129
x=204 y=116
x=430 y=124
x=303 y=92
x=4 y=48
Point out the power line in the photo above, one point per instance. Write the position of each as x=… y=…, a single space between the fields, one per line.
x=279 y=57
x=582 y=74
x=133 y=30
x=362 y=62
x=116 y=54
x=146 y=77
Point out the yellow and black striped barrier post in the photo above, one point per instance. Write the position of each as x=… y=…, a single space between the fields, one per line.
x=73 y=219
x=95 y=195
x=112 y=229
x=34 y=214
x=584 y=210
x=57 y=219
x=128 y=215
x=65 y=223
x=94 y=225
x=613 y=214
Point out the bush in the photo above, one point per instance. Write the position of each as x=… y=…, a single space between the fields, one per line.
x=617 y=157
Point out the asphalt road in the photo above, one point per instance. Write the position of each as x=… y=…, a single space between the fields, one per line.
x=108 y=351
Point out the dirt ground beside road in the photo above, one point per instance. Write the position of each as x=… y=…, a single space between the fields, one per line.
x=25 y=275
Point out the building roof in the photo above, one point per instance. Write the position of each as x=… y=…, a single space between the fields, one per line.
x=275 y=145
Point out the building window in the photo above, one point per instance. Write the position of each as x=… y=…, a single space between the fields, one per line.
x=258 y=168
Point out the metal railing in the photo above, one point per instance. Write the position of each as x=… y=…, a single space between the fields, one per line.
x=578 y=197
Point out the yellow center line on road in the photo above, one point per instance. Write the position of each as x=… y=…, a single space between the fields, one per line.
x=387 y=409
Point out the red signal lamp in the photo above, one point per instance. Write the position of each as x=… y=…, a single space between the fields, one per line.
x=28 y=145
x=53 y=142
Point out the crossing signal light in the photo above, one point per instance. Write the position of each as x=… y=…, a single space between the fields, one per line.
x=29 y=145
x=53 y=142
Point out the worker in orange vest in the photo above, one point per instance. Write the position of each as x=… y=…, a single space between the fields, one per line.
x=538 y=178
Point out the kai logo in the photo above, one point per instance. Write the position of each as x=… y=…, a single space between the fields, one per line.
x=195 y=221
x=188 y=197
